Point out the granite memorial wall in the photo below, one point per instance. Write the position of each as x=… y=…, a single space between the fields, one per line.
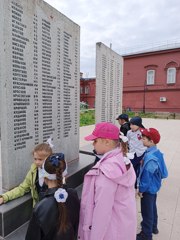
x=39 y=77
x=109 y=79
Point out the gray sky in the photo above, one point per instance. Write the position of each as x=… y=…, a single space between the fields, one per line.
x=127 y=24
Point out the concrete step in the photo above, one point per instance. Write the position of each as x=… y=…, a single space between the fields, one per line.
x=15 y=214
x=18 y=234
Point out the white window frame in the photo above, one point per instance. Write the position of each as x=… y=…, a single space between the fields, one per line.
x=86 y=90
x=171 y=75
x=150 y=77
x=81 y=89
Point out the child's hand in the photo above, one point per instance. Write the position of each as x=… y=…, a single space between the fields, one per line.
x=140 y=194
x=1 y=200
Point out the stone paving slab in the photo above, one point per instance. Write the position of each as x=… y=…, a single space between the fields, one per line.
x=169 y=196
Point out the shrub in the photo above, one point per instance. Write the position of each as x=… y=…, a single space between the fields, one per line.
x=87 y=117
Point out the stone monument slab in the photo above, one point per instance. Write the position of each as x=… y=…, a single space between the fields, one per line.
x=109 y=80
x=39 y=79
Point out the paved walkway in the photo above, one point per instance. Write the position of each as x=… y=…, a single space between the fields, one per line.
x=169 y=195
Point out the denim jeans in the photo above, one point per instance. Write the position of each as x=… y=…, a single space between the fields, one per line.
x=149 y=213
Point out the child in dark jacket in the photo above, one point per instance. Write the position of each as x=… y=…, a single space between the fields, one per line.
x=152 y=171
x=123 y=120
x=56 y=216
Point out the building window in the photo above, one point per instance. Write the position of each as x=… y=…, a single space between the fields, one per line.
x=86 y=90
x=150 y=77
x=81 y=90
x=171 y=75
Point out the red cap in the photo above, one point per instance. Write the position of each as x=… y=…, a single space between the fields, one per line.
x=151 y=133
x=104 y=130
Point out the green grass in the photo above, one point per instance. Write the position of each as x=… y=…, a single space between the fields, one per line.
x=140 y=114
x=87 y=117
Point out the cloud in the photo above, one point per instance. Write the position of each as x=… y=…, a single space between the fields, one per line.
x=124 y=23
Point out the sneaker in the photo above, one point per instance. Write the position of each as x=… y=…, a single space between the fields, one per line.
x=155 y=231
x=142 y=236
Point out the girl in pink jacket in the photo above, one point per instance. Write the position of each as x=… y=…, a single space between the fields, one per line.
x=108 y=206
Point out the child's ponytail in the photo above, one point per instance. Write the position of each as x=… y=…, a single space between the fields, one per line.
x=56 y=165
x=63 y=217
x=124 y=149
x=124 y=143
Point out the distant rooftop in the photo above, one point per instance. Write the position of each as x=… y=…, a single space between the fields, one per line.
x=151 y=47
x=87 y=78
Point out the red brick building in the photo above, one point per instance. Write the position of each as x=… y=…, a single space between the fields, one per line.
x=151 y=81
x=88 y=91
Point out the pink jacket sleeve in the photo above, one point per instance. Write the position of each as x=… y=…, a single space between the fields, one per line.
x=104 y=199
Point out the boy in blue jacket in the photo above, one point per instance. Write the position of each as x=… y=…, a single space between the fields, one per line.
x=152 y=171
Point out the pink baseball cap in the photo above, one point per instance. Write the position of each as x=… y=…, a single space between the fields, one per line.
x=104 y=130
x=151 y=133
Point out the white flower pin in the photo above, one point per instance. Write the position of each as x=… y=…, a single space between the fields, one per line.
x=61 y=195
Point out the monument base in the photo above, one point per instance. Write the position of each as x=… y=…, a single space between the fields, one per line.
x=15 y=214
